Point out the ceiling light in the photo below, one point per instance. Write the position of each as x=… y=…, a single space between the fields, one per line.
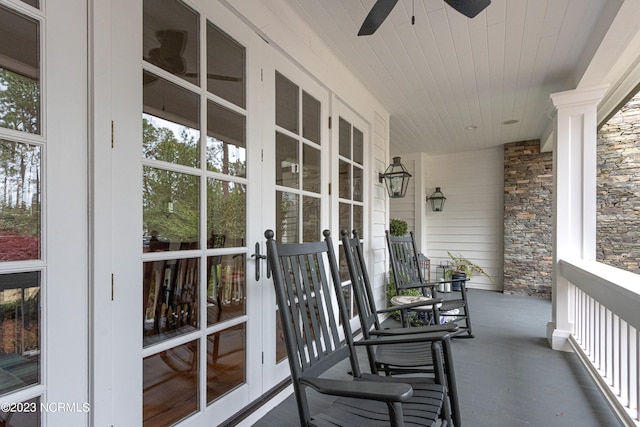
x=510 y=122
x=471 y=127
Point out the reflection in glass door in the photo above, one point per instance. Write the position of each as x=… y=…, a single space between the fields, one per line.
x=194 y=245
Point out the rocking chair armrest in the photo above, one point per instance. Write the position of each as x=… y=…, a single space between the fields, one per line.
x=431 y=301
x=362 y=389
x=447 y=327
x=406 y=338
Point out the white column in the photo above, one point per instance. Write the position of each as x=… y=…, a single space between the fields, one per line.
x=574 y=203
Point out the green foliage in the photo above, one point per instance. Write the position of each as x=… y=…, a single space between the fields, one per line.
x=398 y=227
x=460 y=264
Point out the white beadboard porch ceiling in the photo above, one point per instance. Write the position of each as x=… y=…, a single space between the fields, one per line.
x=450 y=82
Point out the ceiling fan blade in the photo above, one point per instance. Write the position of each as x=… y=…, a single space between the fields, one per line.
x=376 y=16
x=469 y=8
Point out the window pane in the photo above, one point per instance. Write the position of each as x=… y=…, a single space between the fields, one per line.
x=226 y=141
x=344 y=180
x=19 y=330
x=171 y=123
x=226 y=213
x=225 y=66
x=310 y=118
x=287 y=161
x=287 y=217
x=286 y=104
x=311 y=215
x=358 y=146
x=170 y=293
x=170 y=212
x=19 y=72
x=226 y=287
x=310 y=169
x=170 y=38
x=20 y=176
x=344 y=217
x=170 y=384
x=344 y=138
x=226 y=356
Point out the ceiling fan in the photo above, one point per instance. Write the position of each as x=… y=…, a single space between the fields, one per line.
x=169 y=55
x=382 y=8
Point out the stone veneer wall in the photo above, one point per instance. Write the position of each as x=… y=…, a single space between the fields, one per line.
x=528 y=183
x=618 y=189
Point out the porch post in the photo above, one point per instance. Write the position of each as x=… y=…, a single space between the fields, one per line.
x=574 y=202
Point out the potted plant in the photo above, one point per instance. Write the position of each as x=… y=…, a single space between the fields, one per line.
x=461 y=268
x=398 y=227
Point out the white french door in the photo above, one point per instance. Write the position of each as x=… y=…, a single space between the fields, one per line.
x=216 y=138
x=295 y=180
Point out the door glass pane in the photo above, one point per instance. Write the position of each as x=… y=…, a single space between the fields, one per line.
x=344 y=180
x=226 y=287
x=171 y=123
x=310 y=168
x=287 y=161
x=29 y=415
x=226 y=368
x=226 y=213
x=358 y=220
x=170 y=38
x=225 y=66
x=19 y=330
x=358 y=146
x=310 y=118
x=281 y=348
x=170 y=292
x=20 y=177
x=226 y=141
x=19 y=72
x=170 y=383
x=286 y=104
x=34 y=3
x=287 y=217
x=170 y=211
x=311 y=215
x=344 y=216
x=357 y=184
x=344 y=138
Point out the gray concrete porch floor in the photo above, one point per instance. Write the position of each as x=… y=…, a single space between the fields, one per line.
x=507 y=375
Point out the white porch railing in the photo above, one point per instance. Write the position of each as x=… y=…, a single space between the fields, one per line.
x=605 y=311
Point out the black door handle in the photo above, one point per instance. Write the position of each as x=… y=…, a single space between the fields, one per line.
x=258 y=256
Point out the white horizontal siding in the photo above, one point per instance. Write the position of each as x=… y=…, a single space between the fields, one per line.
x=472 y=221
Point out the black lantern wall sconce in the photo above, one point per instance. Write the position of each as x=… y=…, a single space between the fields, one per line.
x=396 y=179
x=437 y=200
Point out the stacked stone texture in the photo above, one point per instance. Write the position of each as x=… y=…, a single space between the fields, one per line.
x=528 y=182
x=618 y=187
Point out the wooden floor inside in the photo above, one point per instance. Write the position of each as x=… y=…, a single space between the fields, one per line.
x=508 y=376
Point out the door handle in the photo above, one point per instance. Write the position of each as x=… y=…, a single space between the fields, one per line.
x=258 y=256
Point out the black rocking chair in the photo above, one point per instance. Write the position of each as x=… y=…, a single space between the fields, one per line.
x=408 y=275
x=301 y=275
x=406 y=358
